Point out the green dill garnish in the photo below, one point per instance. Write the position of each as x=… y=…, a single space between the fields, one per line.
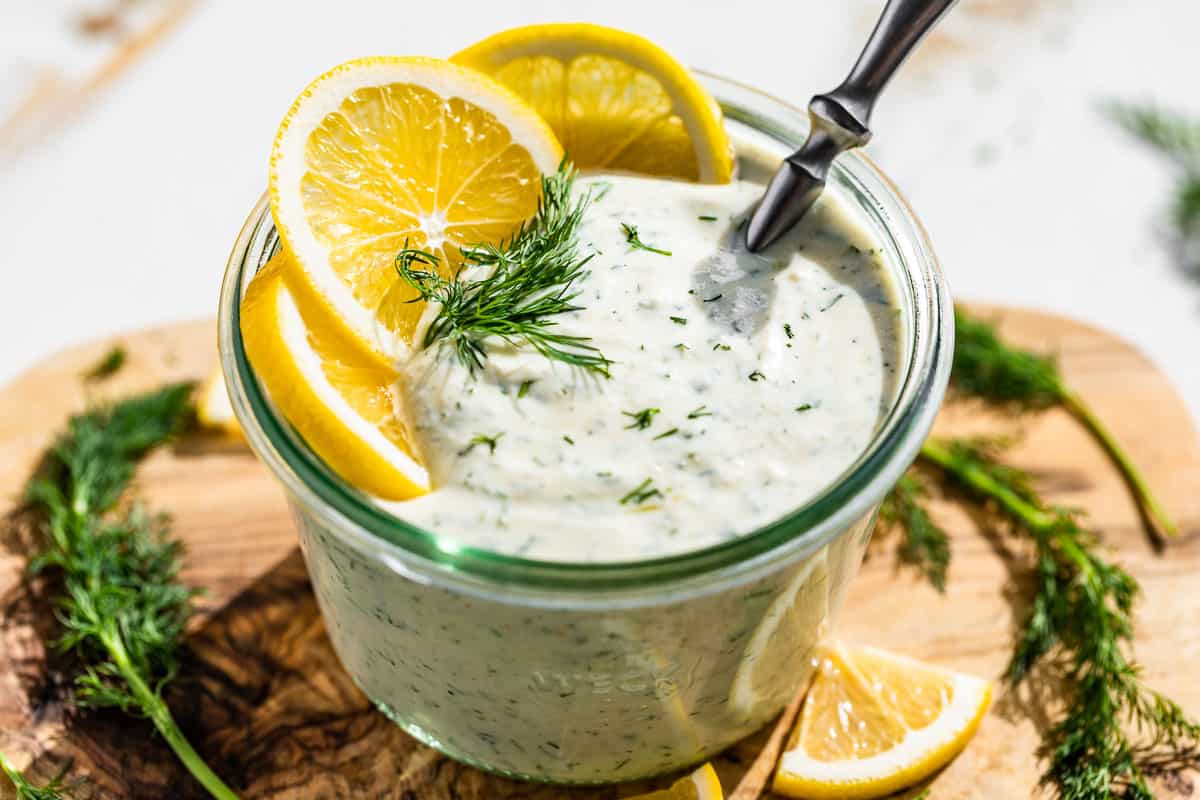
x=1177 y=138
x=528 y=281
x=524 y=390
x=665 y=434
x=641 y=493
x=699 y=412
x=679 y=320
x=712 y=299
x=600 y=190
x=706 y=218
x=805 y=407
x=985 y=366
x=481 y=439
x=568 y=439
x=1079 y=629
x=631 y=236
x=641 y=419
x=123 y=609
x=787 y=329
x=926 y=546
x=833 y=302
x=681 y=347
x=757 y=376
x=107 y=366
x=719 y=346
x=55 y=789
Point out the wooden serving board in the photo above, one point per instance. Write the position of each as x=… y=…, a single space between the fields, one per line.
x=262 y=695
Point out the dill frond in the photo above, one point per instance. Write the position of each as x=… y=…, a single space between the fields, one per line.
x=1177 y=138
x=1080 y=626
x=524 y=284
x=987 y=367
x=55 y=789
x=122 y=608
x=926 y=545
x=642 y=419
x=635 y=242
x=108 y=365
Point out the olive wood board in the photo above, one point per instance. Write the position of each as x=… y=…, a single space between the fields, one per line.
x=263 y=697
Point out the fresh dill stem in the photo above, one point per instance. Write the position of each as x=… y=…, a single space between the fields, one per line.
x=122 y=610
x=641 y=419
x=926 y=545
x=524 y=285
x=700 y=411
x=107 y=366
x=641 y=493
x=1080 y=625
x=1177 y=138
x=666 y=433
x=478 y=439
x=986 y=367
x=631 y=236
x=54 y=790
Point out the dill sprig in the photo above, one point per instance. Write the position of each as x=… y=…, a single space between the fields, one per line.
x=55 y=789
x=926 y=545
x=635 y=241
x=108 y=365
x=478 y=439
x=524 y=284
x=1177 y=138
x=1080 y=625
x=642 y=419
x=987 y=367
x=641 y=493
x=122 y=608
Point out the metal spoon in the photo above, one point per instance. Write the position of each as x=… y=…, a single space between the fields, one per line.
x=840 y=118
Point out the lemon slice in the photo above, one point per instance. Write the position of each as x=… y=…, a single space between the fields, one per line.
x=381 y=153
x=874 y=723
x=617 y=101
x=213 y=409
x=702 y=784
x=339 y=396
x=784 y=642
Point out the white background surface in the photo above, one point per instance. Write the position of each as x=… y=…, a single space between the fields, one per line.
x=125 y=218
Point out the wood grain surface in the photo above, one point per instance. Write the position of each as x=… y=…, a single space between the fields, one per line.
x=262 y=695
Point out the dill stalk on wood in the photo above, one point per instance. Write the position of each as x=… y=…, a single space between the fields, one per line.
x=122 y=607
x=1079 y=626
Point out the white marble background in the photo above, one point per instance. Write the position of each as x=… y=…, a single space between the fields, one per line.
x=124 y=217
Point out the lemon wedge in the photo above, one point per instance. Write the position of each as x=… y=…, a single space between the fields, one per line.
x=617 y=101
x=788 y=637
x=874 y=723
x=700 y=785
x=383 y=153
x=213 y=409
x=339 y=396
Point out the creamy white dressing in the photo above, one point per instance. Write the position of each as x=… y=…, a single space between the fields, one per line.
x=771 y=373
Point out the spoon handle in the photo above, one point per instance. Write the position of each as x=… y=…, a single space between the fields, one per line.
x=841 y=118
x=902 y=24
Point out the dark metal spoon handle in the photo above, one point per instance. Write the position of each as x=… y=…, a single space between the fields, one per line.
x=841 y=118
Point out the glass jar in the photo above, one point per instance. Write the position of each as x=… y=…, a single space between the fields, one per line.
x=593 y=673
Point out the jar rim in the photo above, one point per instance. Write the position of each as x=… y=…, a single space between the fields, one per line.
x=407 y=547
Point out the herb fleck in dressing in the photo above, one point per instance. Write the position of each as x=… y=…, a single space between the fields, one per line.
x=718 y=350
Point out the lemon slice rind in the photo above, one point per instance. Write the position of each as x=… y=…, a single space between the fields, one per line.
x=276 y=336
x=917 y=756
x=700 y=113
x=323 y=97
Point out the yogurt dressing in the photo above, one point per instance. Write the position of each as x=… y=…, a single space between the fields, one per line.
x=741 y=386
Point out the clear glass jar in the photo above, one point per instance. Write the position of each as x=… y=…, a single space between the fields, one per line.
x=592 y=673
